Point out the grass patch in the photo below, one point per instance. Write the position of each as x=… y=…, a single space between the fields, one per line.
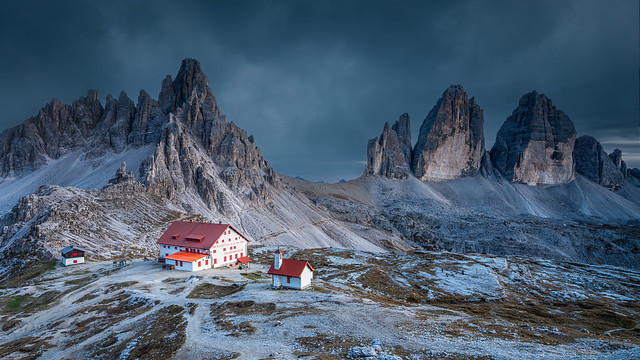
x=80 y=272
x=28 y=303
x=107 y=314
x=319 y=289
x=210 y=291
x=118 y=286
x=160 y=337
x=27 y=348
x=326 y=345
x=86 y=297
x=225 y=315
x=10 y=324
x=254 y=275
x=14 y=303
x=21 y=276
x=79 y=281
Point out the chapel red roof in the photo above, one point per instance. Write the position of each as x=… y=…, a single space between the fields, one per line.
x=290 y=267
x=244 y=260
x=194 y=234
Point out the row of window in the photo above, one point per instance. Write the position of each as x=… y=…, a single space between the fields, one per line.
x=236 y=239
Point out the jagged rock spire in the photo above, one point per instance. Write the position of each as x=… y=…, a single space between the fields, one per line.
x=390 y=154
x=451 y=139
x=593 y=163
x=190 y=85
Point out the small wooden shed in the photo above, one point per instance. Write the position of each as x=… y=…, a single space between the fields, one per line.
x=72 y=255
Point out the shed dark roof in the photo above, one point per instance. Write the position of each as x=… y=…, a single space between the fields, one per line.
x=71 y=248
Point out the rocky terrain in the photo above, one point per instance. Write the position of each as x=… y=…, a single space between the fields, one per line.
x=397 y=305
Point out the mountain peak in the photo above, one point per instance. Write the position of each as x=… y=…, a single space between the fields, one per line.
x=451 y=139
x=389 y=155
x=535 y=144
x=189 y=83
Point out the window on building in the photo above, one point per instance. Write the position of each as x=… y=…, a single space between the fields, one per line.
x=75 y=261
x=288 y=279
x=214 y=251
x=225 y=258
x=240 y=254
x=199 y=263
x=224 y=249
x=206 y=262
x=215 y=261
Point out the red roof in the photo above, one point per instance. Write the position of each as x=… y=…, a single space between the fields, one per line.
x=194 y=235
x=244 y=260
x=290 y=267
x=185 y=256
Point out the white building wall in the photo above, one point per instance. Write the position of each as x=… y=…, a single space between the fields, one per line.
x=69 y=261
x=190 y=266
x=294 y=282
x=230 y=245
x=305 y=278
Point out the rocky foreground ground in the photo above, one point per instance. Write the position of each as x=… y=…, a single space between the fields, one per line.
x=420 y=305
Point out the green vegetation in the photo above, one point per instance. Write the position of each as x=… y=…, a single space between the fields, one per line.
x=254 y=275
x=29 y=303
x=210 y=291
x=22 y=276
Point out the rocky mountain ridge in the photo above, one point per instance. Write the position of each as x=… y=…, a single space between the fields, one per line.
x=536 y=145
x=188 y=160
x=186 y=125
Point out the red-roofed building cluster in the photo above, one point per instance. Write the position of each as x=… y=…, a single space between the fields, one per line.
x=194 y=246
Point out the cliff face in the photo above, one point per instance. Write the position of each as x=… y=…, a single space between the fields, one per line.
x=593 y=163
x=390 y=154
x=198 y=147
x=451 y=140
x=535 y=144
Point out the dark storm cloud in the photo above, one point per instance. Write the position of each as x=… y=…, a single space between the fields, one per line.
x=313 y=81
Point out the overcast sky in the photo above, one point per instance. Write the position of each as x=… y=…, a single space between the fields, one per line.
x=314 y=80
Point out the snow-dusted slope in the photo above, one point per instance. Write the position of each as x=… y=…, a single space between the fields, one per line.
x=73 y=169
